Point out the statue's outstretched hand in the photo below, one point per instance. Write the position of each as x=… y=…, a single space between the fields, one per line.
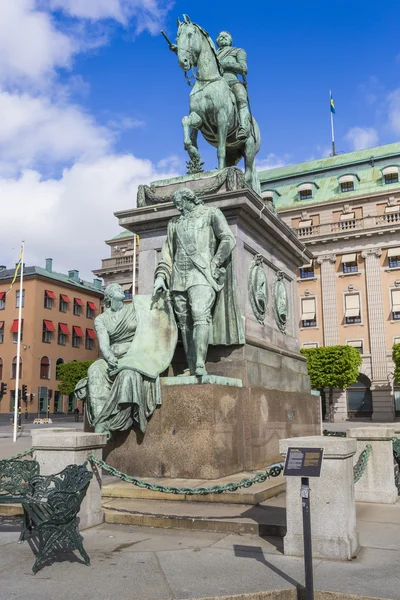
x=174 y=48
x=159 y=285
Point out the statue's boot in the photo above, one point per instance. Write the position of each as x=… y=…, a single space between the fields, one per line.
x=188 y=344
x=244 y=127
x=201 y=337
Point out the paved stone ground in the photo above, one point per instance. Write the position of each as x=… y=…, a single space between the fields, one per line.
x=140 y=563
x=150 y=564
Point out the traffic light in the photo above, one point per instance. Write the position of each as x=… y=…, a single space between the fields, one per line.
x=24 y=392
x=3 y=389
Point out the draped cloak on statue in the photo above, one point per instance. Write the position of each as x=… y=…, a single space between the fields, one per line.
x=142 y=336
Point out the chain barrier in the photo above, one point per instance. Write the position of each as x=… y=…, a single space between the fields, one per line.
x=334 y=433
x=18 y=456
x=361 y=465
x=272 y=471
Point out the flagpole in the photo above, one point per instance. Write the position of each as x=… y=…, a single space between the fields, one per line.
x=17 y=373
x=332 y=127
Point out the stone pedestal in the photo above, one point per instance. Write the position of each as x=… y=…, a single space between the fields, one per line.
x=204 y=432
x=377 y=484
x=57 y=448
x=333 y=511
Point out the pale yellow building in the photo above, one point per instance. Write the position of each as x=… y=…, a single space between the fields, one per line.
x=346 y=210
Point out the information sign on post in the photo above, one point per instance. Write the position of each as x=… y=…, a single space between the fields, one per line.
x=305 y=463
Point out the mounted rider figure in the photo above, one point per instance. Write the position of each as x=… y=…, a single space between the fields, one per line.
x=233 y=62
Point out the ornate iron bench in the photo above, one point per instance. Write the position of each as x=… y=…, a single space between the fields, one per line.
x=15 y=476
x=52 y=505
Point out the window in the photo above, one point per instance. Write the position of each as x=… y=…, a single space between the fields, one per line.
x=1 y=332
x=349 y=262
x=77 y=334
x=305 y=194
x=394 y=257
x=63 y=331
x=308 y=312
x=60 y=361
x=45 y=368
x=391 y=178
x=64 y=301
x=396 y=340
x=14 y=330
x=48 y=299
x=395 y=304
x=1 y=368
x=307 y=345
x=358 y=344
x=77 y=307
x=47 y=330
x=127 y=287
x=90 y=310
x=307 y=271
x=17 y=297
x=352 y=309
x=14 y=368
x=347 y=186
x=90 y=337
x=2 y=300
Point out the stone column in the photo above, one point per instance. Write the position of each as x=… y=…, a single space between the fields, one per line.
x=333 y=509
x=383 y=404
x=57 y=448
x=377 y=483
x=328 y=293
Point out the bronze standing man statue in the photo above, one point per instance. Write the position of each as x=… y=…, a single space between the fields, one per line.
x=234 y=62
x=196 y=267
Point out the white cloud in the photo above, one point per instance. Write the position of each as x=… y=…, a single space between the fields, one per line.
x=35 y=129
x=69 y=218
x=362 y=137
x=31 y=47
x=271 y=162
x=148 y=14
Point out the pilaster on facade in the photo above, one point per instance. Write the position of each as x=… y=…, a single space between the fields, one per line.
x=329 y=307
x=376 y=318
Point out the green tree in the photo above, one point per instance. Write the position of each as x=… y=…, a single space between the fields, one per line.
x=70 y=373
x=332 y=367
x=396 y=360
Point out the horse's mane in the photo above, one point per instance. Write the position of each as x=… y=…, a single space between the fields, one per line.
x=209 y=40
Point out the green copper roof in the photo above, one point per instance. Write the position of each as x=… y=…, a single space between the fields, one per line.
x=8 y=274
x=331 y=162
x=365 y=165
x=123 y=234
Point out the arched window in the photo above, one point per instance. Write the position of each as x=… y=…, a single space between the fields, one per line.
x=45 y=368
x=60 y=361
x=14 y=368
x=1 y=368
x=359 y=397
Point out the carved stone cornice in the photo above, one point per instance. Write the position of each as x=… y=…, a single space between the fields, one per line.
x=371 y=252
x=326 y=258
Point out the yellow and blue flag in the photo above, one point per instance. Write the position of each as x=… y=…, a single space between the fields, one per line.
x=332 y=104
x=17 y=268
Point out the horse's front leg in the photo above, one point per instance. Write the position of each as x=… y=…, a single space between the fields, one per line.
x=222 y=127
x=191 y=126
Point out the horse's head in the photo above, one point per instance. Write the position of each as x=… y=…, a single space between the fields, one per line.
x=189 y=41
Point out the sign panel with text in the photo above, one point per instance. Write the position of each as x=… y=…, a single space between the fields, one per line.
x=303 y=462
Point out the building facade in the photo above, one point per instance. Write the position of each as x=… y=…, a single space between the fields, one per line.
x=346 y=210
x=57 y=326
x=118 y=268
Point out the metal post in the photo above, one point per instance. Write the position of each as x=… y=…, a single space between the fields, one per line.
x=308 y=567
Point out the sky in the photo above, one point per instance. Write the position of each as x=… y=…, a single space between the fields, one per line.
x=91 y=102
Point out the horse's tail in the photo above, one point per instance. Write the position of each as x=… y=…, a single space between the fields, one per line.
x=256 y=185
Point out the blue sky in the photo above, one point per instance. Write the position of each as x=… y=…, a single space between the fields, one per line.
x=92 y=100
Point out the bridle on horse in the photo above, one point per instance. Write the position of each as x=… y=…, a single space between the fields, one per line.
x=191 y=68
